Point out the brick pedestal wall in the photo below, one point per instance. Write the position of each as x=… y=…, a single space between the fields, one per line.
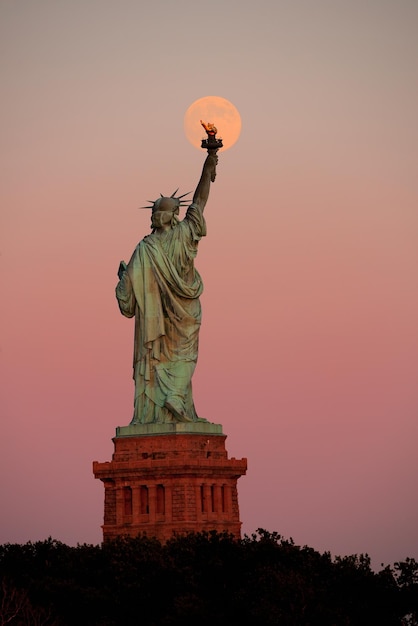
x=170 y=483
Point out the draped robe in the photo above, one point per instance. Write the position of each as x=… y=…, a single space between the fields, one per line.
x=161 y=288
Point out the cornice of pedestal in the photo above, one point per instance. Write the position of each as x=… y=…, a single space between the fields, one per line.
x=180 y=428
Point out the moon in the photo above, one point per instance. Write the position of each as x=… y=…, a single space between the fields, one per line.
x=215 y=110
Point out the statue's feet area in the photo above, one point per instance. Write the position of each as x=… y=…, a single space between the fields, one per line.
x=178 y=413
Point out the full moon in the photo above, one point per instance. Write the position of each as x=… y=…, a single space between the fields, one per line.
x=217 y=111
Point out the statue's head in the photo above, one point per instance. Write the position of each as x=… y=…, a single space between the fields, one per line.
x=165 y=209
x=164 y=203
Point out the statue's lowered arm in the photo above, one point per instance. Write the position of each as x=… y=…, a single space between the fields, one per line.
x=124 y=292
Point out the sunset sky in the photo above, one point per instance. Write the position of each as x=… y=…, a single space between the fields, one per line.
x=309 y=343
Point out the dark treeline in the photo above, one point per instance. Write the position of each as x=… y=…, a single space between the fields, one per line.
x=200 y=579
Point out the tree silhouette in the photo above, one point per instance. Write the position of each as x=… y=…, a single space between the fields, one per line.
x=200 y=578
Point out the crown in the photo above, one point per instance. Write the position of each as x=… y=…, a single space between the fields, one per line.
x=178 y=202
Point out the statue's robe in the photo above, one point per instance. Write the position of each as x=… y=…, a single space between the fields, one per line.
x=161 y=287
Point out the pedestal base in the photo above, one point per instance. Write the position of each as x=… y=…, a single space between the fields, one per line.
x=176 y=480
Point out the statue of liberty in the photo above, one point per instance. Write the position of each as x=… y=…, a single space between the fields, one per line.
x=161 y=288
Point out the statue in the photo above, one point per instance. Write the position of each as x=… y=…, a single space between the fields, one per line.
x=161 y=288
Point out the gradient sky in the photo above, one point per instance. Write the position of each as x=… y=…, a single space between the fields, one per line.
x=309 y=344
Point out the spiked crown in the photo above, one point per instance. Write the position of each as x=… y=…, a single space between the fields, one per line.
x=167 y=203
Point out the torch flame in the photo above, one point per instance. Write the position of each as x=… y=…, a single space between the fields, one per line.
x=209 y=128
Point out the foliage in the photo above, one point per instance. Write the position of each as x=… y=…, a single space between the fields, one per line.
x=200 y=578
x=406 y=573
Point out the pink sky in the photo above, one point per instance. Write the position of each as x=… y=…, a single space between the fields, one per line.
x=309 y=344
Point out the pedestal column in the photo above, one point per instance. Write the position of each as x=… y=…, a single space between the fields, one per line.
x=174 y=478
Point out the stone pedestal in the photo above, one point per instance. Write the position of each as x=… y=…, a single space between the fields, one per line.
x=170 y=478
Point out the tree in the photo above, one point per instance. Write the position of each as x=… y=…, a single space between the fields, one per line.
x=17 y=610
x=406 y=573
x=203 y=578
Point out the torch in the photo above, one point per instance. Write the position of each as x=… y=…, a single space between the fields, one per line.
x=211 y=144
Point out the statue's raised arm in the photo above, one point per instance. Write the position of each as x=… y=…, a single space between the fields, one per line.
x=200 y=196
